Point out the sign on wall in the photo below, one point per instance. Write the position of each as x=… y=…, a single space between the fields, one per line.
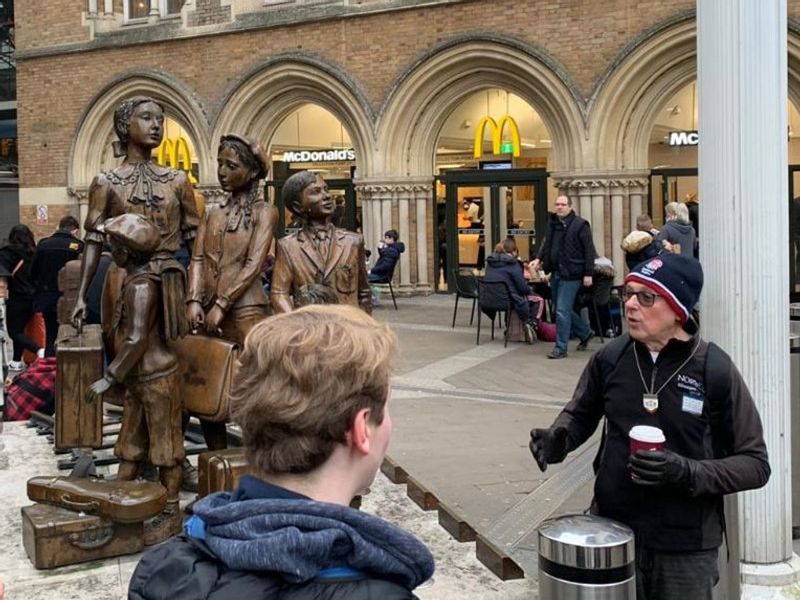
x=683 y=138
x=175 y=153
x=327 y=155
x=496 y=131
x=41 y=214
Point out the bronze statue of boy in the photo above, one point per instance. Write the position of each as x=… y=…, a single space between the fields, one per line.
x=320 y=263
x=144 y=364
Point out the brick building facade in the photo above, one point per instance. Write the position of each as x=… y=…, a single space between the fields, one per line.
x=391 y=71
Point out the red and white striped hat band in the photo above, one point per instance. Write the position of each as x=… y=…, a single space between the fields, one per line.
x=659 y=288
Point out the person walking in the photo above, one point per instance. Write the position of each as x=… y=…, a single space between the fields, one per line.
x=51 y=254
x=662 y=374
x=17 y=257
x=677 y=235
x=568 y=253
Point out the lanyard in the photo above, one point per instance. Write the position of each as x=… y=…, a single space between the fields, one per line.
x=653 y=377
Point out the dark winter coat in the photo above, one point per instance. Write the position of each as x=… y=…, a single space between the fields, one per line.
x=568 y=249
x=663 y=518
x=51 y=254
x=387 y=259
x=274 y=544
x=20 y=284
x=506 y=268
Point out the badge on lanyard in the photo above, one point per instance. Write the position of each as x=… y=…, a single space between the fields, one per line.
x=650 y=403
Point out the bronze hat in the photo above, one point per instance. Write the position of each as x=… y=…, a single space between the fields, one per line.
x=135 y=232
x=253 y=146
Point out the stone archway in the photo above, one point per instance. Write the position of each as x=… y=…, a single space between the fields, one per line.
x=400 y=188
x=96 y=125
x=257 y=102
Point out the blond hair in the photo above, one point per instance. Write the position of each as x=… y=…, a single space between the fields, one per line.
x=677 y=211
x=303 y=376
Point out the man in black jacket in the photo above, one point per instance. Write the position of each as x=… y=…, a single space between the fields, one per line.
x=663 y=376
x=316 y=431
x=51 y=254
x=568 y=254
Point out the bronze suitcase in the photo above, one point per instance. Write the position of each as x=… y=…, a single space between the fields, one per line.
x=54 y=536
x=79 y=424
x=207 y=367
x=220 y=470
x=120 y=501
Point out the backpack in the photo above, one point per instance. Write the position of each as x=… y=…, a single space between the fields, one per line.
x=33 y=389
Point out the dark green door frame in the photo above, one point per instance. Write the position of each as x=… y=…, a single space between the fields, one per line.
x=494 y=180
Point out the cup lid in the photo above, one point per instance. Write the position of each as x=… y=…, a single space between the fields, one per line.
x=646 y=433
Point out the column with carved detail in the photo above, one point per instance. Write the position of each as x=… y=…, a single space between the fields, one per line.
x=404 y=229
x=597 y=219
x=81 y=198
x=423 y=195
x=92 y=9
x=108 y=7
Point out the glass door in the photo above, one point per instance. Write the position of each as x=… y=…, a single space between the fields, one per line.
x=672 y=185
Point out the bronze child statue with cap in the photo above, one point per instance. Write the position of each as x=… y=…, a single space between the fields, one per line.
x=320 y=264
x=145 y=365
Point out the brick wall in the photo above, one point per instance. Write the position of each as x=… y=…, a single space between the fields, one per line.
x=209 y=12
x=44 y=23
x=56 y=212
x=374 y=50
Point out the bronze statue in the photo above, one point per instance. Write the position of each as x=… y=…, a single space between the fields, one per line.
x=320 y=263
x=225 y=294
x=161 y=194
x=145 y=365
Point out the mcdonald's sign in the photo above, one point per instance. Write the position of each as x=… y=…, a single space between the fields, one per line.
x=496 y=129
x=175 y=153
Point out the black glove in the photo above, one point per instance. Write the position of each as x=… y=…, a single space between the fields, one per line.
x=548 y=446
x=659 y=468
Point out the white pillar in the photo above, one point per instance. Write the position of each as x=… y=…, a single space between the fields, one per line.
x=92 y=8
x=585 y=204
x=108 y=7
x=617 y=235
x=742 y=74
x=423 y=196
x=597 y=219
x=404 y=229
x=635 y=208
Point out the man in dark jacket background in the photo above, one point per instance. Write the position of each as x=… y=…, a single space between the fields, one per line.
x=288 y=533
x=568 y=254
x=503 y=265
x=51 y=254
x=657 y=377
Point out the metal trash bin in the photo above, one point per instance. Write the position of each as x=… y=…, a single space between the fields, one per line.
x=584 y=557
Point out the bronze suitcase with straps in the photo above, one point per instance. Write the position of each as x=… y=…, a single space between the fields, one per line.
x=120 y=501
x=207 y=367
x=55 y=537
x=79 y=424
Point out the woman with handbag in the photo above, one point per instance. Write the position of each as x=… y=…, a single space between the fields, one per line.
x=16 y=257
x=225 y=296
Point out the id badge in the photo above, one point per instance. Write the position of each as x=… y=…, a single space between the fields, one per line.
x=650 y=403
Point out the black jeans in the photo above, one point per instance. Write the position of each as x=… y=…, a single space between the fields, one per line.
x=17 y=316
x=675 y=575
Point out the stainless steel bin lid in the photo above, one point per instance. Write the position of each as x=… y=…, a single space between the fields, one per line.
x=586 y=542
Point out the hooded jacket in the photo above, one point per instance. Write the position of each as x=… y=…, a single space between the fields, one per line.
x=284 y=547
x=503 y=267
x=683 y=234
x=387 y=259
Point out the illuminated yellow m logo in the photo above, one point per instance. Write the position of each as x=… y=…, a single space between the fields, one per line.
x=169 y=155
x=496 y=130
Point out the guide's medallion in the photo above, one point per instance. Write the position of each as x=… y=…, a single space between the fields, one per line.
x=650 y=403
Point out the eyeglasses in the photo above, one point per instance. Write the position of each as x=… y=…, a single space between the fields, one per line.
x=644 y=297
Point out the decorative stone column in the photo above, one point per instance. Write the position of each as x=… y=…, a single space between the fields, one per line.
x=742 y=88
x=402 y=206
x=81 y=198
x=610 y=203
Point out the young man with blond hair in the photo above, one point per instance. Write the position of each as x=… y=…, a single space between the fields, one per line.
x=311 y=399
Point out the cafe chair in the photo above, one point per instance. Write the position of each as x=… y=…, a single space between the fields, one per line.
x=466 y=287
x=494 y=298
x=597 y=299
x=387 y=281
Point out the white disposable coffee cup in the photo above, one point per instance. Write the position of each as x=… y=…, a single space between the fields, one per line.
x=645 y=437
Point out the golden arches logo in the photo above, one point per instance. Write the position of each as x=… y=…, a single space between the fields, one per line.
x=169 y=155
x=496 y=129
